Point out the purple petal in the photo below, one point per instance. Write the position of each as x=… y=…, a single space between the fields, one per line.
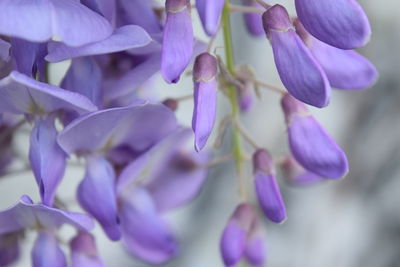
x=210 y=12
x=301 y=74
x=47 y=252
x=29 y=57
x=253 y=20
x=9 y=248
x=138 y=126
x=269 y=196
x=133 y=79
x=145 y=234
x=140 y=13
x=340 y=23
x=255 y=251
x=296 y=175
x=47 y=158
x=76 y=79
x=311 y=145
x=345 y=69
x=21 y=94
x=25 y=214
x=106 y=8
x=84 y=251
x=178 y=39
x=42 y=20
x=96 y=194
x=205 y=98
x=124 y=38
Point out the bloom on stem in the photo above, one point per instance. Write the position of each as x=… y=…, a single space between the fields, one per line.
x=310 y=144
x=210 y=12
x=267 y=188
x=205 y=98
x=301 y=74
x=177 y=47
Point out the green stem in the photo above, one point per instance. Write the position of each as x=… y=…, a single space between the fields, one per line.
x=232 y=94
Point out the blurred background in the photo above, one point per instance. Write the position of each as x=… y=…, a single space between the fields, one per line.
x=347 y=223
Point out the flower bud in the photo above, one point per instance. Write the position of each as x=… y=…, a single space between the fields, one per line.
x=253 y=20
x=301 y=74
x=210 y=12
x=267 y=188
x=84 y=251
x=296 y=175
x=177 y=47
x=205 y=98
x=310 y=144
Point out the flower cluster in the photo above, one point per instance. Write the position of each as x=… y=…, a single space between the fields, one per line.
x=138 y=166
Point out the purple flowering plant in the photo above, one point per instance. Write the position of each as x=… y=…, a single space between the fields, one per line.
x=138 y=166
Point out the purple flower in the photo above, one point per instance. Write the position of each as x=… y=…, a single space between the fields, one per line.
x=205 y=98
x=46 y=251
x=310 y=144
x=210 y=12
x=177 y=48
x=242 y=238
x=340 y=23
x=345 y=69
x=299 y=71
x=61 y=20
x=84 y=251
x=98 y=186
x=253 y=20
x=267 y=188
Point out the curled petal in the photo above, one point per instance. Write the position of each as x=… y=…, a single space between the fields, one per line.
x=145 y=234
x=47 y=158
x=311 y=145
x=47 y=252
x=124 y=38
x=177 y=48
x=340 y=23
x=138 y=126
x=210 y=12
x=21 y=94
x=301 y=74
x=84 y=251
x=76 y=79
x=96 y=194
x=27 y=215
x=42 y=20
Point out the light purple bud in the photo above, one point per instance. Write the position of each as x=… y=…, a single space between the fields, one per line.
x=340 y=23
x=9 y=248
x=233 y=240
x=301 y=74
x=84 y=251
x=267 y=188
x=255 y=251
x=46 y=251
x=253 y=20
x=310 y=144
x=205 y=98
x=177 y=48
x=296 y=175
x=345 y=69
x=210 y=12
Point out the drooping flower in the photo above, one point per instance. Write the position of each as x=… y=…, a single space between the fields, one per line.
x=299 y=71
x=340 y=23
x=242 y=238
x=178 y=40
x=253 y=20
x=310 y=144
x=205 y=98
x=267 y=188
x=210 y=12
x=345 y=69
